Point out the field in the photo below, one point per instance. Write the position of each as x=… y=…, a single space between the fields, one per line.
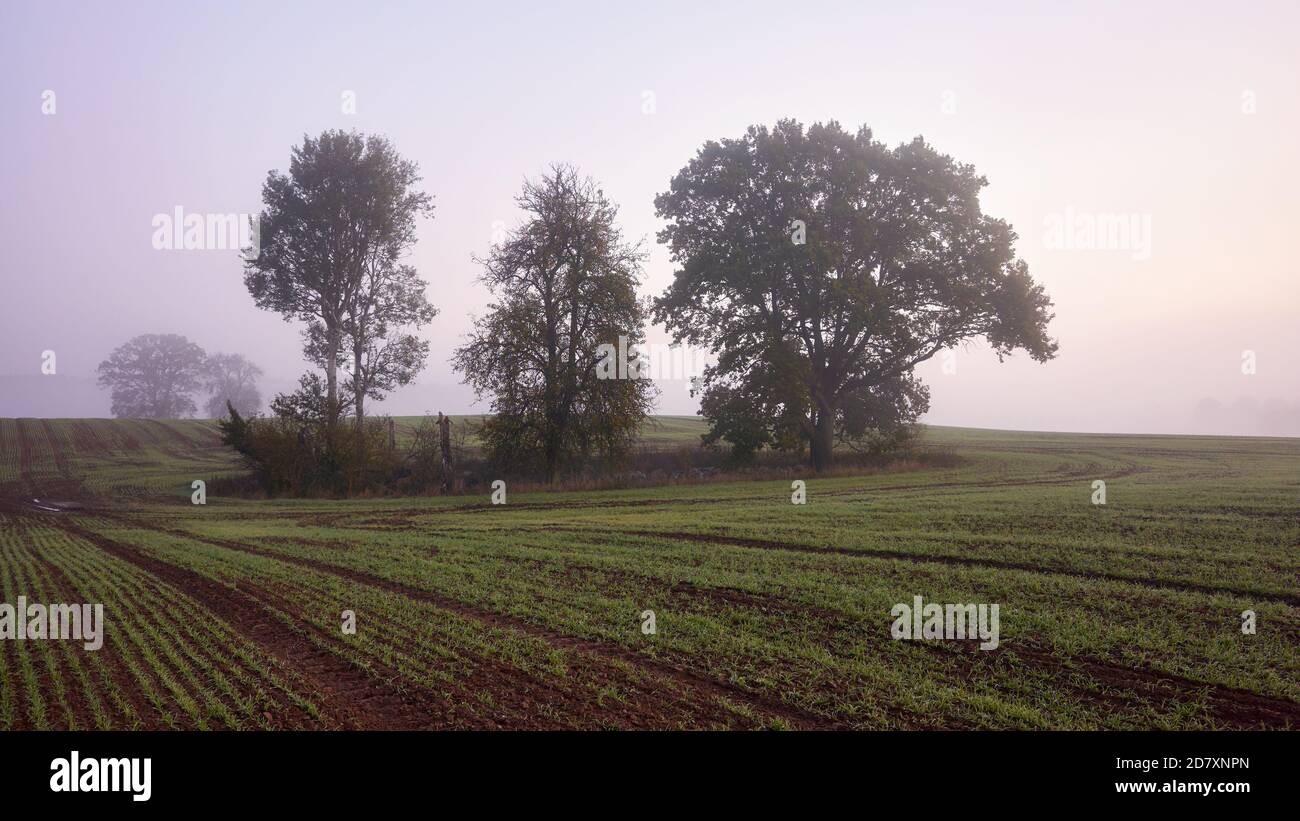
x=767 y=614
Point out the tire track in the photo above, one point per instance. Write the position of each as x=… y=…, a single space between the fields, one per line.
x=87 y=441
x=1117 y=684
x=524 y=697
x=199 y=650
x=191 y=450
x=521 y=700
x=56 y=449
x=24 y=458
x=962 y=561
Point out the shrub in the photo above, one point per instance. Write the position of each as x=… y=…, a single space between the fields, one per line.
x=291 y=455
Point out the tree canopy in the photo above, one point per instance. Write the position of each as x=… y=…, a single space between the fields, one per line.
x=564 y=284
x=332 y=234
x=154 y=376
x=822 y=266
x=231 y=378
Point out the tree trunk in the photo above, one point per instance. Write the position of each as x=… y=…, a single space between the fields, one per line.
x=823 y=439
x=358 y=390
x=332 y=376
x=552 y=455
x=358 y=397
x=444 y=444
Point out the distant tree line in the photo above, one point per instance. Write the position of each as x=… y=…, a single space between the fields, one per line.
x=155 y=376
x=818 y=266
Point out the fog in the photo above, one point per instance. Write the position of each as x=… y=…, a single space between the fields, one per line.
x=1144 y=155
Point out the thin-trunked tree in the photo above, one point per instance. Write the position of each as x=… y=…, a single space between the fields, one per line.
x=332 y=234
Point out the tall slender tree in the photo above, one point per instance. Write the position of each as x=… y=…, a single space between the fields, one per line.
x=377 y=349
x=331 y=237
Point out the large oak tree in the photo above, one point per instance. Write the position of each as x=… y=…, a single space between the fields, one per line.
x=154 y=376
x=822 y=266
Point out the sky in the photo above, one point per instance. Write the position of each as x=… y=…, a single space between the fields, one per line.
x=1173 y=123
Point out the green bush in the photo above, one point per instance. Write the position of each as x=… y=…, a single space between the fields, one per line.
x=298 y=457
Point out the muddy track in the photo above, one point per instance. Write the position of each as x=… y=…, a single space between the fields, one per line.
x=963 y=561
x=174 y=435
x=163 y=442
x=615 y=582
x=1132 y=469
x=520 y=700
x=273 y=685
x=146 y=430
x=433 y=706
x=1117 y=685
x=376 y=519
x=24 y=458
x=702 y=684
x=351 y=697
x=87 y=441
x=56 y=449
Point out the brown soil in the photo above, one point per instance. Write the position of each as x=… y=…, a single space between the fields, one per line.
x=352 y=698
x=706 y=687
x=24 y=456
x=87 y=441
x=121 y=679
x=965 y=561
x=173 y=435
x=1118 y=686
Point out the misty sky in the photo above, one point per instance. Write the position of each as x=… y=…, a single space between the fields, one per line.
x=1180 y=118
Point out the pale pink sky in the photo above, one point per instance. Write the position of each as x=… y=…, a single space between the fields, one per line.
x=1125 y=109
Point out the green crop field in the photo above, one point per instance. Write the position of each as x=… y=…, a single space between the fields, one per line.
x=767 y=614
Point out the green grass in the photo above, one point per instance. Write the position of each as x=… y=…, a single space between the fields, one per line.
x=768 y=614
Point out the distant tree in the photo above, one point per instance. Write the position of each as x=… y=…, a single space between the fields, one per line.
x=820 y=265
x=231 y=380
x=154 y=376
x=331 y=236
x=564 y=284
